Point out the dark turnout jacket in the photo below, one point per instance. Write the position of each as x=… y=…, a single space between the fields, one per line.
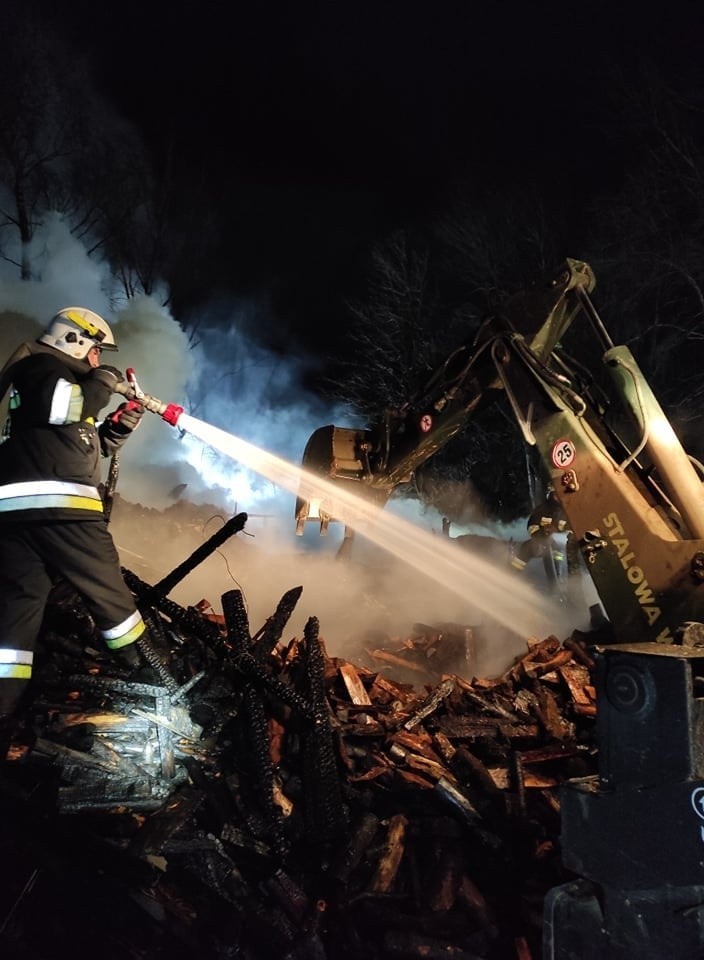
x=50 y=462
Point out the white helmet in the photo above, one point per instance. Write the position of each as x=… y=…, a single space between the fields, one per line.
x=76 y=330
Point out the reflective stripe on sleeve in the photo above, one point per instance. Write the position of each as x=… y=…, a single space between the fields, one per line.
x=15 y=671
x=124 y=633
x=39 y=494
x=66 y=403
x=16 y=664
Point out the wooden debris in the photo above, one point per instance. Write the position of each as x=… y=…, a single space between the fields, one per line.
x=431 y=703
x=354 y=685
x=321 y=808
x=397 y=661
x=392 y=853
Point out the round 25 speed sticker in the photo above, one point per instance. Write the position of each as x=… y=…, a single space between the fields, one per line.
x=562 y=453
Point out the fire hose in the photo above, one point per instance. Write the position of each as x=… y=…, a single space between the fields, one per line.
x=110 y=484
x=136 y=397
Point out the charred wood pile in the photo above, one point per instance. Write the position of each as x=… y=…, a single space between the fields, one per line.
x=244 y=796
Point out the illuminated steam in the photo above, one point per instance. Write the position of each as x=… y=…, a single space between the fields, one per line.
x=501 y=595
x=222 y=378
x=246 y=423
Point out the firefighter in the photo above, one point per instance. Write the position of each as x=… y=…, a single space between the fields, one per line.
x=547 y=519
x=52 y=524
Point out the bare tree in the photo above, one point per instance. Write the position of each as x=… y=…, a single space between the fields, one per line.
x=64 y=149
x=427 y=295
x=644 y=236
x=37 y=126
x=497 y=241
x=396 y=328
x=121 y=209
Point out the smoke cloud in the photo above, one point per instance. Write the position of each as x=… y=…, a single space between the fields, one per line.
x=221 y=378
x=173 y=492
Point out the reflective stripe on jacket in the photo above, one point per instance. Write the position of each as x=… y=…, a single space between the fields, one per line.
x=42 y=494
x=66 y=403
x=15 y=664
x=50 y=463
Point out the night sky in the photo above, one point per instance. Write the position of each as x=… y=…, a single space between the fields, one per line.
x=311 y=130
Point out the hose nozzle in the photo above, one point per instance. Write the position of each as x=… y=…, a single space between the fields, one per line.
x=167 y=411
x=131 y=389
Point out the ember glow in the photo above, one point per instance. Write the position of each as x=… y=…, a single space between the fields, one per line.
x=501 y=594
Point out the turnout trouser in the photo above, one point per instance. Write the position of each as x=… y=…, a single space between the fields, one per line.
x=33 y=557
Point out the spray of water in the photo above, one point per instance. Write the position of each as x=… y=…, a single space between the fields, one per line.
x=500 y=594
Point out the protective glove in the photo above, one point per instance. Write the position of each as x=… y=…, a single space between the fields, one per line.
x=128 y=415
x=108 y=376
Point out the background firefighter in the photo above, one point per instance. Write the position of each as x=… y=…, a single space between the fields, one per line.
x=52 y=524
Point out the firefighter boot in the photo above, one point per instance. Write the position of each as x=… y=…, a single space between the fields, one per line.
x=136 y=665
x=128 y=657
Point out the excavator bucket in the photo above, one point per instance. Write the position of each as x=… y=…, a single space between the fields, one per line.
x=340 y=456
x=330 y=452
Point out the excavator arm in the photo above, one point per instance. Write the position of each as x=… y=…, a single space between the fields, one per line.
x=632 y=497
x=379 y=459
